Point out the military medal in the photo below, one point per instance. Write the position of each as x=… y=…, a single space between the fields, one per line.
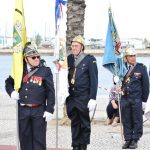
x=73 y=78
x=72 y=81
x=31 y=80
x=34 y=80
x=40 y=81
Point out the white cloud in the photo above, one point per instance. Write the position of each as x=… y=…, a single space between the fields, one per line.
x=131 y=18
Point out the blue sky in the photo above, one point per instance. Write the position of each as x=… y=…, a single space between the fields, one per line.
x=131 y=17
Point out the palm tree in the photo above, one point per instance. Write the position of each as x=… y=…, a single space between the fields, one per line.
x=75 y=20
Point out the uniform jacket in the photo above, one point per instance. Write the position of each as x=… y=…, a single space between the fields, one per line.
x=37 y=89
x=137 y=85
x=86 y=77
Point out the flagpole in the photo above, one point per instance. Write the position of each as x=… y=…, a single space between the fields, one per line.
x=120 y=116
x=113 y=60
x=58 y=15
x=17 y=128
x=57 y=109
x=119 y=83
x=56 y=54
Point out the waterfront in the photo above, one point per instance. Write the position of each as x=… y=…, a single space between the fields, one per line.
x=99 y=52
x=105 y=77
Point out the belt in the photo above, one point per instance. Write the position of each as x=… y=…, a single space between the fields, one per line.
x=30 y=105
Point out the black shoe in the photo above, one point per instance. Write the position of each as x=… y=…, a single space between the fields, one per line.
x=83 y=147
x=133 y=144
x=126 y=145
x=76 y=148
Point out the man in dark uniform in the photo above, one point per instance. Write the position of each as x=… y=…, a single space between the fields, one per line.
x=83 y=82
x=36 y=99
x=135 y=90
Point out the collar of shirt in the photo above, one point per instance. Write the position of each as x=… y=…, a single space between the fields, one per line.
x=129 y=66
x=29 y=68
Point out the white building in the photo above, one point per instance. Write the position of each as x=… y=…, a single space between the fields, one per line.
x=137 y=43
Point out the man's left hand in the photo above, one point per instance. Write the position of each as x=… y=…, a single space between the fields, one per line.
x=91 y=105
x=48 y=116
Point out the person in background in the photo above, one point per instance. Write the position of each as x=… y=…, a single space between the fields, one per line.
x=36 y=99
x=135 y=90
x=112 y=107
x=83 y=83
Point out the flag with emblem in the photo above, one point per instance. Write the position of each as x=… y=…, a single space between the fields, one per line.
x=19 y=40
x=58 y=12
x=113 y=54
x=60 y=51
x=59 y=9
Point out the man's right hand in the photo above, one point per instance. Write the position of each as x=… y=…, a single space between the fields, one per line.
x=14 y=95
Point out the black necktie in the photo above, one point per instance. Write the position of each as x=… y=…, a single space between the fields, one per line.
x=129 y=67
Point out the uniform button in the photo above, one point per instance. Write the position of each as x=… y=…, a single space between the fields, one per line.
x=27 y=82
x=26 y=97
x=127 y=87
x=73 y=89
x=26 y=89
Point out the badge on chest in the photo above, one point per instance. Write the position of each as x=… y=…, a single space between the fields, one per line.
x=36 y=80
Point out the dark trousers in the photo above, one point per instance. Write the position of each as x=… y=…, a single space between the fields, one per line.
x=80 y=124
x=132 y=119
x=111 y=112
x=32 y=128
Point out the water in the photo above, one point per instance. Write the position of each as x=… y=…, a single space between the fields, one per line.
x=105 y=77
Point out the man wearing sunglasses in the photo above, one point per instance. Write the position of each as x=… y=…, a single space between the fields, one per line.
x=36 y=99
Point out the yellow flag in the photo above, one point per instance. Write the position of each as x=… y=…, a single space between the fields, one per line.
x=19 y=40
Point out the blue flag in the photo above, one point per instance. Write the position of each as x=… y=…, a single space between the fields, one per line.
x=113 y=55
x=58 y=11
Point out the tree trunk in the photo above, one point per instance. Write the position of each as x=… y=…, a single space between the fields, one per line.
x=75 y=20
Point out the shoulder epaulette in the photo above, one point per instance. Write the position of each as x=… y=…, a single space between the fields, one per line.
x=141 y=64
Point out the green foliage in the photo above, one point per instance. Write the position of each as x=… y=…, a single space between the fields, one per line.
x=38 y=39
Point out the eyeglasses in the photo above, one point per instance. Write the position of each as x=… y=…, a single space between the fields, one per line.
x=34 y=57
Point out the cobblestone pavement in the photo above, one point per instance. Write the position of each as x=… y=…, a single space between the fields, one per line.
x=102 y=136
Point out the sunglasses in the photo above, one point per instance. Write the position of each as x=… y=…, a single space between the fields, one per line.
x=34 y=57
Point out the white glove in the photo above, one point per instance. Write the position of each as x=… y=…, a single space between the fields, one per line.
x=116 y=79
x=14 y=95
x=47 y=116
x=91 y=105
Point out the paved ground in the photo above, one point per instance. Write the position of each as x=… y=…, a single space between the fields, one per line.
x=4 y=147
x=102 y=136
